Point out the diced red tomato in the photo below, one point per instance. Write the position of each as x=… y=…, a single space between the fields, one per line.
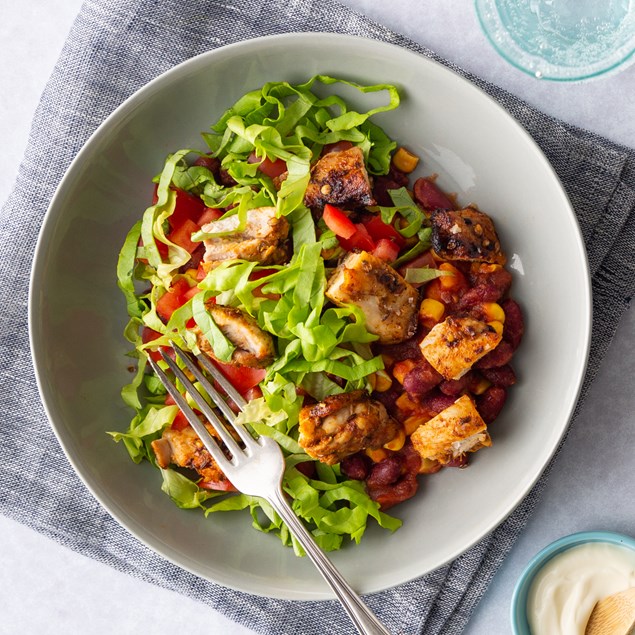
x=221 y=486
x=180 y=421
x=361 y=239
x=209 y=214
x=169 y=400
x=386 y=249
x=257 y=292
x=338 y=146
x=149 y=335
x=187 y=207
x=190 y=293
x=172 y=299
x=242 y=378
x=337 y=221
x=269 y=168
x=378 y=230
x=181 y=235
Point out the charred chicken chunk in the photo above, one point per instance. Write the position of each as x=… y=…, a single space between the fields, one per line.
x=342 y=425
x=185 y=449
x=386 y=299
x=339 y=178
x=254 y=347
x=454 y=345
x=453 y=432
x=466 y=234
x=263 y=239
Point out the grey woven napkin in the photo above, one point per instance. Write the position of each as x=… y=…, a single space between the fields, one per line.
x=103 y=62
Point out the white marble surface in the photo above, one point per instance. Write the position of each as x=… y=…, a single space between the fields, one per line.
x=53 y=590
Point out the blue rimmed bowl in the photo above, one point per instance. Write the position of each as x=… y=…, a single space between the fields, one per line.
x=520 y=623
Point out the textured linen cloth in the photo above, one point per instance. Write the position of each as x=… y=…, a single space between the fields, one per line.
x=103 y=62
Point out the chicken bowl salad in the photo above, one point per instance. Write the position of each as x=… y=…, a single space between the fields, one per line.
x=363 y=313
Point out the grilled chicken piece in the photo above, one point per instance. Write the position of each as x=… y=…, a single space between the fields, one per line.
x=342 y=425
x=254 y=347
x=454 y=345
x=339 y=178
x=185 y=449
x=387 y=300
x=263 y=240
x=453 y=432
x=466 y=234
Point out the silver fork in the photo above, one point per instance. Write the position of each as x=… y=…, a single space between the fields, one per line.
x=256 y=470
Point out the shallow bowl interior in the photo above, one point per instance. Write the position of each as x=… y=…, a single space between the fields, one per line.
x=77 y=313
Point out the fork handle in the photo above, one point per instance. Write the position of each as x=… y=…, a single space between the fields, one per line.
x=361 y=616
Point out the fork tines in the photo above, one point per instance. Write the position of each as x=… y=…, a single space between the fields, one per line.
x=209 y=413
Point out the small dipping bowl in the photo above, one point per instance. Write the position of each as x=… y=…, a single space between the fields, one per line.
x=561 y=40
x=520 y=623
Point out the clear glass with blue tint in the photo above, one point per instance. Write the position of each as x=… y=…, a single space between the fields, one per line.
x=562 y=40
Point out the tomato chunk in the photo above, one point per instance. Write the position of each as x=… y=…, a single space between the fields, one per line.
x=361 y=239
x=378 y=230
x=149 y=335
x=180 y=421
x=241 y=377
x=181 y=235
x=269 y=168
x=386 y=249
x=338 y=222
x=187 y=207
x=172 y=299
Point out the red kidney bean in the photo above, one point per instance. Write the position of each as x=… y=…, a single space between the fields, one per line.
x=356 y=467
x=226 y=178
x=437 y=402
x=514 y=323
x=499 y=278
x=503 y=376
x=389 y=397
x=500 y=356
x=211 y=163
x=409 y=349
x=460 y=461
x=411 y=459
x=421 y=379
x=389 y=495
x=454 y=387
x=491 y=402
x=391 y=181
x=476 y=295
x=385 y=472
x=307 y=468
x=429 y=196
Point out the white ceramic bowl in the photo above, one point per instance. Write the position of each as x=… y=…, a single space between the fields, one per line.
x=77 y=313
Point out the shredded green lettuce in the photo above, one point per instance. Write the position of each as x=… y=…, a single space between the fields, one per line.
x=321 y=349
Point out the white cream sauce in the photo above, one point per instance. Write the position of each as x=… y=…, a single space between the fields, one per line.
x=566 y=589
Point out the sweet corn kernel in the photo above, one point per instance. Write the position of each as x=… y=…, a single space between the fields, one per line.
x=192 y=273
x=482 y=385
x=431 y=310
x=404 y=403
x=401 y=369
x=449 y=282
x=497 y=326
x=376 y=455
x=493 y=312
x=488 y=268
x=413 y=422
x=398 y=442
x=405 y=161
x=382 y=381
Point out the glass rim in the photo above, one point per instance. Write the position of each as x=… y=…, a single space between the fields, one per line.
x=537 y=67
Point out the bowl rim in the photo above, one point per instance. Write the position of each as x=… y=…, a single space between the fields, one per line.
x=522 y=59
x=136 y=529
x=518 y=609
